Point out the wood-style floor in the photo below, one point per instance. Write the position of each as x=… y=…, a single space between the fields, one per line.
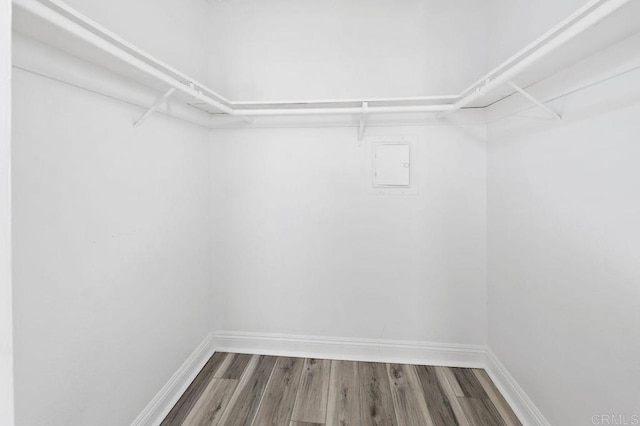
x=236 y=389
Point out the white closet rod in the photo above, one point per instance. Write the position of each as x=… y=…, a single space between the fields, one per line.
x=340 y=111
x=534 y=44
x=91 y=25
x=82 y=33
x=588 y=21
x=565 y=31
x=44 y=12
x=593 y=83
x=590 y=84
x=353 y=100
x=201 y=123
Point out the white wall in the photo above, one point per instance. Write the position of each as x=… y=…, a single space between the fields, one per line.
x=564 y=238
x=111 y=253
x=296 y=234
x=306 y=49
x=112 y=248
x=301 y=247
x=6 y=329
x=512 y=24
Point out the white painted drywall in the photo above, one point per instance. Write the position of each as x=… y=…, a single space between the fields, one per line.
x=111 y=253
x=563 y=245
x=301 y=246
x=6 y=329
x=308 y=49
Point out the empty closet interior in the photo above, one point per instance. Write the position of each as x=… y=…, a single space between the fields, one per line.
x=451 y=184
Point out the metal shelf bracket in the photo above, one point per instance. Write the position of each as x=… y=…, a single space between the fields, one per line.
x=154 y=107
x=535 y=101
x=363 y=121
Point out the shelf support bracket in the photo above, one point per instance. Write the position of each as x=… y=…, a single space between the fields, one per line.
x=363 y=121
x=535 y=101
x=154 y=107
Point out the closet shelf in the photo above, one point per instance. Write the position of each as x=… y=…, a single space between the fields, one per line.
x=593 y=27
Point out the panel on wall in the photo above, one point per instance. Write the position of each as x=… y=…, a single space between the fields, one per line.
x=391 y=164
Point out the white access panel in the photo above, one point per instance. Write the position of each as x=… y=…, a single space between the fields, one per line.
x=391 y=165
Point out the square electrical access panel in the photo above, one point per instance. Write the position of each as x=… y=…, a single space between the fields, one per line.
x=391 y=165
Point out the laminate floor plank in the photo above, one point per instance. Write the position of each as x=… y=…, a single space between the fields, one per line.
x=481 y=412
x=246 y=399
x=234 y=368
x=408 y=398
x=496 y=397
x=189 y=398
x=305 y=424
x=452 y=380
x=280 y=394
x=437 y=401
x=469 y=383
x=376 y=403
x=342 y=406
x=445 y=377
x=311 y=402
x=214 y=400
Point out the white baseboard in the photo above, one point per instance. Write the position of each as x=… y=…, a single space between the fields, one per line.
x=517 y=398
x=369 y=350
x=165 y=399
x=352 y=349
